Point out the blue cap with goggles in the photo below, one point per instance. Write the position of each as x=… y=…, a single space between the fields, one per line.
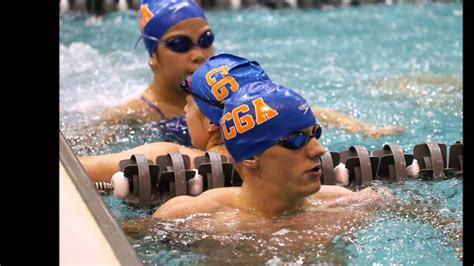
x=217 y=79
x=262 y=114
x=158 y=16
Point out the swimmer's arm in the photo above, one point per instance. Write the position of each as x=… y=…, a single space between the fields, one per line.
x=367 y=198
x=329 y=192
x=339 y=120
x=102 y=167
x=139 y=227
x=183 y=206
x=344 y=195
x=373 y=193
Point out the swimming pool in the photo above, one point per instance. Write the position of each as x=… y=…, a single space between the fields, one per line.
x=399 y=64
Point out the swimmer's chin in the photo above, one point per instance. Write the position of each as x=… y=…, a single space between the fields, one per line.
x=318 y=188
x=312 y=188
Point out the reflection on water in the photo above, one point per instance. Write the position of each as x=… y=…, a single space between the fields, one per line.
x=429 y=90
x=94 y=137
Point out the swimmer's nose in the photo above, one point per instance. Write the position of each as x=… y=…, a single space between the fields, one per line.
x=197 y=55
x=314 y=148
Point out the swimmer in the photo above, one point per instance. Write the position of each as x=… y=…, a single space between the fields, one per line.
x=178 y=39
x=272 y=136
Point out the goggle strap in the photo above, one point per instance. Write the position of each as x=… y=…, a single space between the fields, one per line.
x=186 y=88
x=136 y=43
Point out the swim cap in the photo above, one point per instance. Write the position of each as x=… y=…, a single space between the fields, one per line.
x=218 y=78
x=259 y=114
x=157 y=16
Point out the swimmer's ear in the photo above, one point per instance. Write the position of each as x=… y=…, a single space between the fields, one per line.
x=153 y=61
x=213 y=127
x=251 y=162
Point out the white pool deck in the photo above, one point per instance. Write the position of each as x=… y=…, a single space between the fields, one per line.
x=88 y=232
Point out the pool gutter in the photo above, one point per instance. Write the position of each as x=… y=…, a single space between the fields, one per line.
x=89 y=234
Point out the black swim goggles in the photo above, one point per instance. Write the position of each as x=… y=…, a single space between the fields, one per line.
x=182 y=44
x=298 y=139
x=186 y=86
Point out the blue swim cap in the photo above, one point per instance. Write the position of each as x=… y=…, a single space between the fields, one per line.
x=259 y=114
x=157 y=16
x=218 y=78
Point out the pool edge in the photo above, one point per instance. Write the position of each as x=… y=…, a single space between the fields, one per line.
x=93 y=214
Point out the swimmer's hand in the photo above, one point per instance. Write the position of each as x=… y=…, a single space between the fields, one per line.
x=138 y=228
x=383 y=191
x=369 y=198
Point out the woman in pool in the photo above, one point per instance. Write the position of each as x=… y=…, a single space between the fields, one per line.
x=179 y=39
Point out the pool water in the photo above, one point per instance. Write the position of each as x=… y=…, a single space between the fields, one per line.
x=399 y=64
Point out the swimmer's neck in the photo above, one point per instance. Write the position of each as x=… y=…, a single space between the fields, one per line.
x=161 y=91
x=217 y=147
x=269 y=201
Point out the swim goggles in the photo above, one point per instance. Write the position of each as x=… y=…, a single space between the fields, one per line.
x=297 y=140
x=182 y=44
x=186 y=86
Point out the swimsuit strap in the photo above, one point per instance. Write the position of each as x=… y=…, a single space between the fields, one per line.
x=151 y=105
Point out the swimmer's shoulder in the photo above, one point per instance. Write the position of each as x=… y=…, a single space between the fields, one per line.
x=210 y=201
x=183 y=206
x=226 y=196
x=131 y=109
x=331 y=192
